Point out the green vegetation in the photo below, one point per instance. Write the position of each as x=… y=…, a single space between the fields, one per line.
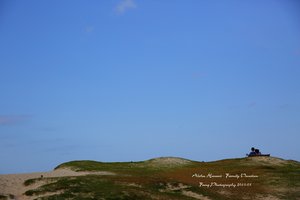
x=172 y=178
x=2 y=197
x=138 y=168
x=30 y=181
x=96 y=187
x=10 y=196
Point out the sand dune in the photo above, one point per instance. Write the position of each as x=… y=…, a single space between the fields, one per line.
x=275 y=179
x=12 y=185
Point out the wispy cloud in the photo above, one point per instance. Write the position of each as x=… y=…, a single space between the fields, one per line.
x=197 y=75
x=89 y=29
x=252 y=104
x=284 y=106
x=12 y=119
x=125 y=5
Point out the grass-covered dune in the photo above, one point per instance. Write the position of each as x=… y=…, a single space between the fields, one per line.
x=174 y=178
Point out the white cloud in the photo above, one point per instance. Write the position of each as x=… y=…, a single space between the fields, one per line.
x=12 y=119
x=125 y=5
x=89 y=29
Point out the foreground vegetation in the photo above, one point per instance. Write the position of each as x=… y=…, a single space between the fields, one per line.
x=175 y=178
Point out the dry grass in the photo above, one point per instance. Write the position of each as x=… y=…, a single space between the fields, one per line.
x=168 y=178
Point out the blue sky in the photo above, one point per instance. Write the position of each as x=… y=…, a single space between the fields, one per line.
x=124 y=80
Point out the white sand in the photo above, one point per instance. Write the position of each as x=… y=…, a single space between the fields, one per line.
x=14 y=183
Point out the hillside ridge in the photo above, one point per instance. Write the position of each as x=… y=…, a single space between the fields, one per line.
x=177 y=161
x=168 y=178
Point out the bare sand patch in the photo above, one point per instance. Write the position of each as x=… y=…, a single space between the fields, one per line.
x=13 y=184
x=167 y=161
x=195 y=195
x=183 y=189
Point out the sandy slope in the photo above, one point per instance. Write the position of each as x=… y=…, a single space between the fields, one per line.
x=13 y=183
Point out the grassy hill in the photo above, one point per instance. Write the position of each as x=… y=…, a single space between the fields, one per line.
x=175 y=178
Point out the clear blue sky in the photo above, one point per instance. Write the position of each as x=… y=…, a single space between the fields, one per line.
x=122 y=80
